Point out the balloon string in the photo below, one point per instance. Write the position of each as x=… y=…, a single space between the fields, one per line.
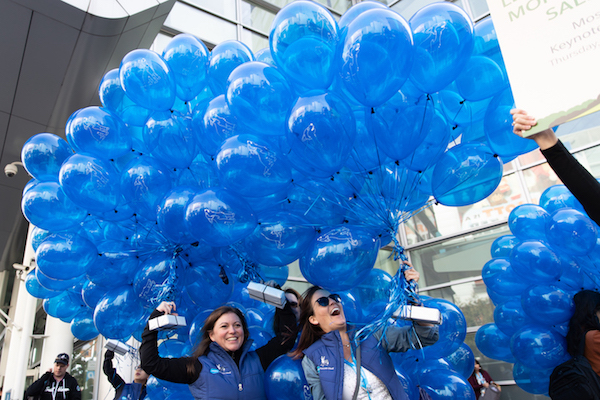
x=250 y=271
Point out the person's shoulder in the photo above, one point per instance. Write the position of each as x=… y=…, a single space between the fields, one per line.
x=593 y=336
x=72 y=381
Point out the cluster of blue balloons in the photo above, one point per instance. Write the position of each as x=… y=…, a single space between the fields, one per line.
x=204 y=170
x=534 y=273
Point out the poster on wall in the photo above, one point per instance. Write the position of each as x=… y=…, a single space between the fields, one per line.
x=551 y=49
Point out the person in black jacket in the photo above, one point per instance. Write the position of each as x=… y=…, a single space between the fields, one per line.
x=223 y=365
x=56 y=384
x=125 y=391
x=574 y=176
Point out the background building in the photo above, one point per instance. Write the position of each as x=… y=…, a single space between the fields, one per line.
x=54 y=54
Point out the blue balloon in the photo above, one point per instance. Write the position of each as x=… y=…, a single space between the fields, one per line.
x=443 y=384
x=264 y=55
x=466 y=174
x=260 y=97
x=96 y=131
x=154 y=281
x=558 y=196
x=373 y=293
x=356 y=10
x=118 y=313
x=212 y=123
x=571 y=232
x=494 y=343
x=535 y=262
x=45 y=205
x=509 y=317
x=172 y=348
x=532 y=379
x=303 y=41
x=171 y=214
x=115 y=265
x=43 y=154
x=206 y=287
x=35 y=289
x=187 y=57
x=285 y=380
x=497 y=298
x=320 y=206
x=452 y=331
x=528 y=221
x=366 y=155
x=64 y=306
x=38 y=235
x=482 y=78
x=92 y=293
x=407 y=132
x=90 y=182
x=254 y=317
x=83 y=327
x=377 y=56
x=65 y=255
x=548 y=305
x=498 y=276
x=462 y=360
x=224 y=58
x=486 y=42
x=148 y=80
x=320 y=134
x=170 y=139
x=57 y=284
x=499 y=130
x=459 y=111
x=113 y=98
x=144 y=182
x=280 y=238
x=539 y=347
x=431 y=148
x=340 y=257
x=195 y=334
x=443 y=37
x=259 y=336
x=503 y=245
x=219 y=217
x=252 y=166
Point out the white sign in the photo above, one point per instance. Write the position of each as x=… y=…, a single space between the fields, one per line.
x=551 y=49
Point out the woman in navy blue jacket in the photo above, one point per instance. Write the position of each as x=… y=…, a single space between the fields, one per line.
x=330 y=355
x=223 y=366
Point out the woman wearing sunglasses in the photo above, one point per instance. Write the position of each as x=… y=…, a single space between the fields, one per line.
x=331 y=357
x=222 y=366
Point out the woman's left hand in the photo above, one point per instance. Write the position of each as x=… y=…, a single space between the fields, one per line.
x=411 y=274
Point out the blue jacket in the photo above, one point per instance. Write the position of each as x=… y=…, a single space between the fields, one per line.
x=323 y=363
x=131 y=391
x=221 y=377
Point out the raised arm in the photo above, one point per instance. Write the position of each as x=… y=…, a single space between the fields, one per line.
x=284 y=339
x=178 y=370
x=575 y=177
x=111 y=373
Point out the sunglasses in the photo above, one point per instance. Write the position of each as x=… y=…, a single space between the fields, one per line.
x=324 y=301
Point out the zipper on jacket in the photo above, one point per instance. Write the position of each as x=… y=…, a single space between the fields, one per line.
x=240 y=388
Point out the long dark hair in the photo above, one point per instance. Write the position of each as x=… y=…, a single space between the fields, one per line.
x=276 y=321
x=209 y=325
x=310 y=333
x=587 y=303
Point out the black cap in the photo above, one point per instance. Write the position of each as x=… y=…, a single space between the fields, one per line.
x=62 y=358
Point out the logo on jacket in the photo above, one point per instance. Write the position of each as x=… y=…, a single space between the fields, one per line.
x=324 y=361
x=324 y=365
x=219 y=370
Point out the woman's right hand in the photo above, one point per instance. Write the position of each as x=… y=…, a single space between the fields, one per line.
x=167 y=307
x=523 y=122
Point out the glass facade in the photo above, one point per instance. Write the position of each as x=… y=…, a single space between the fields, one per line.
x=447 y=245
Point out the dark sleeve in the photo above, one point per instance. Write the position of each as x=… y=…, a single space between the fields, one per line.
x=170 y=369
x=476 y=386
x=486 y=376
x=111 y=373
x=75 y=390
x=284 y=339
x=576 y=178
x=38 y=386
